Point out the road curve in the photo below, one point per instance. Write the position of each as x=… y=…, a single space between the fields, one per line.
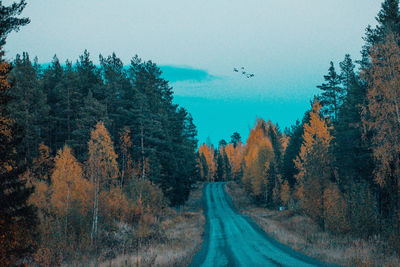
x=235 y=240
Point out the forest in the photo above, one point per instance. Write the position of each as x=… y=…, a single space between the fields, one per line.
x=88 y=151
x=340 y=164
x=84 y=147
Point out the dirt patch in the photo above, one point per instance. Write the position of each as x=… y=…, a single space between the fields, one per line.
x=302 y=234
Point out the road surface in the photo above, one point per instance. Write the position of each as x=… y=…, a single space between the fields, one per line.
x=235 y=240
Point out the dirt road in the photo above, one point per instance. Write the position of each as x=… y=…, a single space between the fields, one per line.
x=235 y=240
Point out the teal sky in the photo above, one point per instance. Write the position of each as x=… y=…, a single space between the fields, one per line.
x=286 y=44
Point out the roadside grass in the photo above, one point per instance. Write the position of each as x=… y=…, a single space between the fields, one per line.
x=181 y=230
x=302 y=234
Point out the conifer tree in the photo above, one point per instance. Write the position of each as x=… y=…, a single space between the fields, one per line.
x=28 y=106
x=332 y=95
x=388 y=21
x=352 y=154
x=18 y=219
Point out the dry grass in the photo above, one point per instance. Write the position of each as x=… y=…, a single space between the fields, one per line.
x=303 y=235
x=182 y=237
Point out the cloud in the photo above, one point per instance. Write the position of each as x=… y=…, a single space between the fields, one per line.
x=179 y=74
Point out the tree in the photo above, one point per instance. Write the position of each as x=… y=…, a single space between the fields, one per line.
x=235 y=158
x=70 y=190
x=28 y=106
x=381 y=119
x=18 y=219
x=332 y=95
x=235 y=139
x=388 y=21
x=102 y=168
x=89 y=114
x=257 y=159
x=9 y=21
x=208 y=153
x=353 y=157
x=314 y=164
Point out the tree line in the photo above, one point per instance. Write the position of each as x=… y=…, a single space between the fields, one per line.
x=86 y=151
x=340 y=164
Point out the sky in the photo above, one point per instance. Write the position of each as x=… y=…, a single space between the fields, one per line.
x=286 y=44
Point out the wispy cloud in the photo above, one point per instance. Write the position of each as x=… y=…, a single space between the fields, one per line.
x=183 y=73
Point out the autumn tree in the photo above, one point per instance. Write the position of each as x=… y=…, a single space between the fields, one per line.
x=207 y=151
x=70 y=195
x=381 y=120
x=257 y=159
x=102 y=168
x=314 y=164
x=235 y=158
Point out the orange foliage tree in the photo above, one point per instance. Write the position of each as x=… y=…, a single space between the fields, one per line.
x=235 y=157
x=69 y=189
x=257 y=157
x=314 y=164
x=207 y=151
x=102 y=168
x=381 y=119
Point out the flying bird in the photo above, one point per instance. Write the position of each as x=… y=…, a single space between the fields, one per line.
x=243 y=72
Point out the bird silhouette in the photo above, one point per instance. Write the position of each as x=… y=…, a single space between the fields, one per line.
x=243 y=72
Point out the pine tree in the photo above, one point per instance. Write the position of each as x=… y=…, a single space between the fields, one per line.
x=352 y=154
x=235 y=139
x=52 y=76
x=89 y=114
x=18 y=219
x=9 y=20
x=28 y=107
x=388 y=21
x=332 y=95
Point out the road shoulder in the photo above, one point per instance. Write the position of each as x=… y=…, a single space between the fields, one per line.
x=304 y=236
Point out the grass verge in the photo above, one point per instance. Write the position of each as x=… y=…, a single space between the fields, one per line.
x=181 y=230
x=302 y=234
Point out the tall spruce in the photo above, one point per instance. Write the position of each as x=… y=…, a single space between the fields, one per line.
x=332 y=93
x=18 y=219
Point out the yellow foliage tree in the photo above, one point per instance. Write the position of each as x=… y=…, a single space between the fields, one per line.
x=314 y=165
x=257 y=157
x=69 y=189
x=235 y=157
x=207 y=151
x=102 y=168
x=381 y=120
